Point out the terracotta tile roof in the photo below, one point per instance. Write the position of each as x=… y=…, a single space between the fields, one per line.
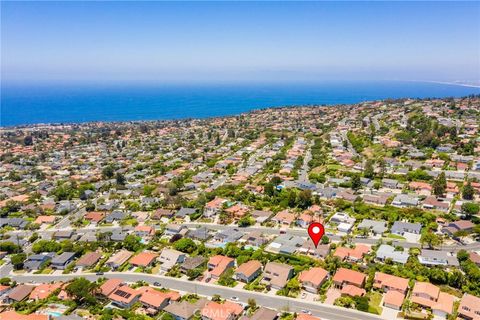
x=95 y=216
x=351 y=276
x=387 y=280
x=12 y=315
x=394 y=298
x=143 y=259
x=469 y=305
x=304 y=316
x=110 y=285
x=124 y=294
x=315 y=276
x=42 y=291
x=220 y=264
x=353 y=291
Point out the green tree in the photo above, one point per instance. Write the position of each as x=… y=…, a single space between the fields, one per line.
x=108 y=172
x=305 y=199
x=368 y=172
x=468 y=191
x=82 y=290
x=470 y=209
x=185 y=245
x=440 y=185
x=120 y=178
x=431 y=239
x=356 y=183
x=18 y=260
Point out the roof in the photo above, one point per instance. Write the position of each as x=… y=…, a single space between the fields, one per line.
x=20 y=292
x=264 y=314
x=383 y=279
x=110 y=285
x=353 y=291
x=220 y=264
x=154 y=298
x=124 y=294
x=185 y=309
x=394 y=298
x=63 y=258
x=304 y=316
x=469 y=305
x=315 y=276
x=356 y=253
x=143 y=259
x=12 y=315
x=89 y=259
x=351 y=276
x=278 y=272
x=44 y=290
x=120 y=257
x=221 y=311
x=249 y=268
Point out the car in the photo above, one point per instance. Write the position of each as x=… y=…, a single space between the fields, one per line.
x=306 y=312
x=100 y=273
x=157 y=284
x=235 y=298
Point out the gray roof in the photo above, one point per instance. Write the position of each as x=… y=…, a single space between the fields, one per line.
x=185 y=212
x=400 y=226
x=376 y=226
x=388 y=252
x=63 y=258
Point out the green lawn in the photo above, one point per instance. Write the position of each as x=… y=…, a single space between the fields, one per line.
x=395 y=236
x=374 y=303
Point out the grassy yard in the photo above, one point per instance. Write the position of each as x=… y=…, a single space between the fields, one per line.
x=374 y=303
x=395 y=236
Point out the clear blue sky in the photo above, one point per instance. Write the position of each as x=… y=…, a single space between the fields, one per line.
x=199 y=41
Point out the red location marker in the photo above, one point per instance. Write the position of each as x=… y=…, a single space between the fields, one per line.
x=316 y=230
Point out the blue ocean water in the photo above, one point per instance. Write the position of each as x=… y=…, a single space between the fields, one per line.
x=63 y=103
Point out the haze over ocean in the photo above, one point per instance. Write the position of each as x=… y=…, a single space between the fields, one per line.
x=67 y=103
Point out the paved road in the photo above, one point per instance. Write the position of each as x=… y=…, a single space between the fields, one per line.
x=271 y=301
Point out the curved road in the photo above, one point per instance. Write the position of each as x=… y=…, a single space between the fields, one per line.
x=206 y=289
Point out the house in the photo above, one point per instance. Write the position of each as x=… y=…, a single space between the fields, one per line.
x=109 y=286
x=284 y=218
x=61 y=261
x=262 y=313
x=170 y=257
x=124 y=296
x=313 y=279
x=469 y=308
x=393 y=299
x=254 y=238
x=183 y=212
x=455 y=226
x=13 y=315
x=352 y=254
x=144 y=231
x=261 y=216
x=143 y=259
x=304 y=220
x=95 y=217
x=391 y=184
x=19 y=293
x=248 y=271
x=376 y=227
x=285 y=243
x=405 y=201
x=437 y=258
x=201 y=233
x=89 y=260
x=386 y=251
x=277 y=274
x=309 y=248
x=37 y=261
x=400 y=228
x=434 y=203
x=64 y=235
x=185 y=310
x=155 y=300
x=173 y=229
x=191 y=263
x=345 y=277
x=429 y=296
x=44 y=290
x=218 y=264
x=45 y=220
x=388 y=282
x=221 y=311
x=213 y=207
x=118 y=259
x=376 y=199
x=115 y=216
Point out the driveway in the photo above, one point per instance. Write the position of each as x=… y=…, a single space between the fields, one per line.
x=332 y=295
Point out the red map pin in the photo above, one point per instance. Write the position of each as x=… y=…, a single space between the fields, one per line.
x=316 y=232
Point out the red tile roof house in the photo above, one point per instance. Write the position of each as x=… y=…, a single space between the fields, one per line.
x=45 y=219
x=238 y=211
x=95 y=217
x=109 y=286
x=217 y=265
x=393 y=299
x=313 y=279
x=248 y=271
x=124 y=296
x=304 y=220
x=221 y=311
x=469 y=307
x=143 y=259
x=284 y=218
x=354 y=255
x=155 y=300
x=213 y=207
x=428 y=295
x=395 y=287
x=344 y=277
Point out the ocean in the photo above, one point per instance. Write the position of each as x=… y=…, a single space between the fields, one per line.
x=67 y=103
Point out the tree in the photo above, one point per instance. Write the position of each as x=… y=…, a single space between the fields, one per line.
x=440 y=185
x=82 y=290
x=185 y=245
x=468 y=191
x=368 y=171
x=120 y=178
x=305 y=199
x=431 y=239
x=18 y=260
x=470 y=209
x=252 y=304
x=356 y=183
x=108 y=172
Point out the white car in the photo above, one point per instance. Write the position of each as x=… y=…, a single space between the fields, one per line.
x=307 y=312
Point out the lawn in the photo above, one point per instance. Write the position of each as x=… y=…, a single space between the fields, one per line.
x=395 y=236
x=375 y=298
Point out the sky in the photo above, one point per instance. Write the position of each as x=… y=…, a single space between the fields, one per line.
x=239 y=41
